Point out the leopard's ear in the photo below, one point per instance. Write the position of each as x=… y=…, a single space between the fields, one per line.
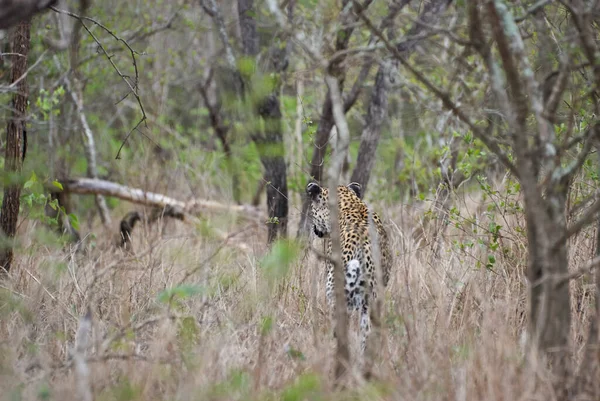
x=356 y=188
x=313 y=189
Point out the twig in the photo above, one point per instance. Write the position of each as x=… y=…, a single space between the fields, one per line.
x=534 y=8
x=133 y=88
x=342 y=356
x=559 y=280
x=14 y=84
x=445 y=98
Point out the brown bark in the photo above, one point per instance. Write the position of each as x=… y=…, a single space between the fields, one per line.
x=130 y=220
x=15 y=141
x=376 y=115
x=270 y=141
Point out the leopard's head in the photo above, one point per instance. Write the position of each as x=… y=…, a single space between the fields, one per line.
x=320 y=210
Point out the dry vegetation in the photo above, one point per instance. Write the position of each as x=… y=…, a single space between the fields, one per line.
x=234 y=331
x=473 y=123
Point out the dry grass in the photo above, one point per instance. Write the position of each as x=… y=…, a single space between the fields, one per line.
x=452 y=332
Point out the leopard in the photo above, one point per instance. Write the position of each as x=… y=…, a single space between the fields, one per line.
x=356 y=247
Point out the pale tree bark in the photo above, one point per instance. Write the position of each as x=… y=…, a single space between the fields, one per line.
x=90 y=149
x=378 y=103
x=342 y=356
x=16 y=142
x=76 y=91
x=89 y=186
x=549 y=300
x=163 y=206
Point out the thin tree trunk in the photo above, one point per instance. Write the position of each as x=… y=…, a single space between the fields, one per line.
x=378 y=104
x=269 y=142
x=15 y=141
x=90 y=150
x=376 y=115
x=586 y=383
x=271 y=149
x=342 y=356
x=221 y=129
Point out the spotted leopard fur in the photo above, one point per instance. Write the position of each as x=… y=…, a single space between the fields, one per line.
x=360 y=278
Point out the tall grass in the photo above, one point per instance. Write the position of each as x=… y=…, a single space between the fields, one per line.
x=229 y=331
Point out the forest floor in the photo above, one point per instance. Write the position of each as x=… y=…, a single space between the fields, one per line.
x=187 y=316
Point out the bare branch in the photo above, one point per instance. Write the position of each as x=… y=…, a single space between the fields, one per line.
x=89 y=186
x=533 y=9
x=132 y=87
x=558 y=280
x=572 y=169
x=210 y=7
x=445 y=98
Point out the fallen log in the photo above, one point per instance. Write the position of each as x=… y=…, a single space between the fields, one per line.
x=93 y=186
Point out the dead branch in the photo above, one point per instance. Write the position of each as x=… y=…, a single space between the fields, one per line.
x=374 y=341
x=90 y=186
x=490 y=142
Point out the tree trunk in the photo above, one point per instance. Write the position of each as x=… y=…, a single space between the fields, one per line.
x=377 y=112
x=270 y=141
x=317 y=160
x=15 y=141
x=550 y=310
x=342 y=356
x=378 y=104
x=326 y=121
x=271 y=150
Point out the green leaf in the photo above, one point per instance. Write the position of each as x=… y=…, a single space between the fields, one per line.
x=179 y=292
x=294 y=353
x=277 y=262
x=266 y=326
x=57 y=185
x=74 y=221
x=306 y=387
